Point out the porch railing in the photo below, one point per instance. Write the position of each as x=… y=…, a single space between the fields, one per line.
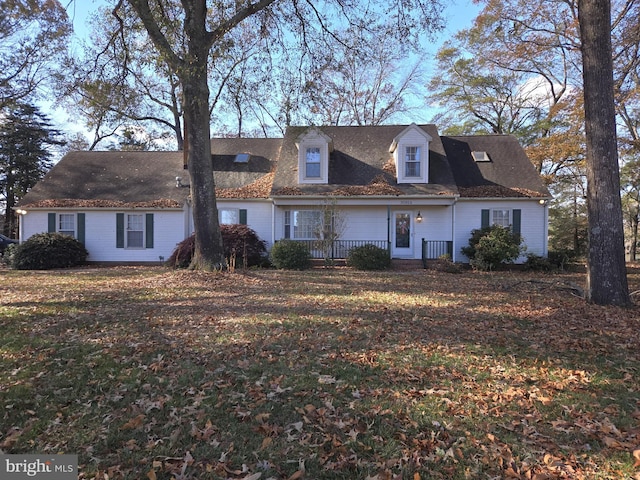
x=432 y=249
x=339 y=249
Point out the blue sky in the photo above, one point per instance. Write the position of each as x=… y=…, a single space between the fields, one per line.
x=458 y=15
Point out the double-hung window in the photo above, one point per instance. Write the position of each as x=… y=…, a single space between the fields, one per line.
x=67 y=224
x=302 y=224
x=501 y=217
x=412 y=162
x=312 y=163
x=135 y=230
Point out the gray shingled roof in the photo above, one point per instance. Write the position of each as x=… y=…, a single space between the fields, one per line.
x=360 y=165
x=510 y=173
x=361 y=158
x=112 y=178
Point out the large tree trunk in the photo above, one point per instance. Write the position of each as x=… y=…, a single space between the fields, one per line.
x=606 y=269
x=209 y=252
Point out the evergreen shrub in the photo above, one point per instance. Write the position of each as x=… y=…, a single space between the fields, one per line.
x=490 y=247
x=290 y=255
x=45 y=251
x=369 y=257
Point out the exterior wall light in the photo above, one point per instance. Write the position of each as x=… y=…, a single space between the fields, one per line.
x=419 y=217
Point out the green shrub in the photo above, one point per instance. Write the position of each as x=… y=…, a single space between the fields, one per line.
x=45 y=251
x=492 y=246
x=240 y=242
x=290 y=255
x=369 y=257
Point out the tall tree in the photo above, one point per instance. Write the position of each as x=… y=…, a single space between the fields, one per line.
x=203 y=28
x=25 y=137
x=33 y=36
x=606 y=269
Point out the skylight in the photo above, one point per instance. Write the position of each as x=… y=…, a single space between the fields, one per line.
x=479 y=156
x=242 y=158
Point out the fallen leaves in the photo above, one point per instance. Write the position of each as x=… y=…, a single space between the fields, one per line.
x=291 y=375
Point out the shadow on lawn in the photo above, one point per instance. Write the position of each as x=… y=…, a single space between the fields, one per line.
x=493 y=355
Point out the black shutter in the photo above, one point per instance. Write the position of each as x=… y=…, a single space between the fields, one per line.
x=119 y=230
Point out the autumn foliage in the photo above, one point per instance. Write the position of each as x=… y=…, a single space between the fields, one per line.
x=152 y=373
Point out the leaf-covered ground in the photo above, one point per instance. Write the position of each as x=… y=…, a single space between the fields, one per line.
x=148 y=373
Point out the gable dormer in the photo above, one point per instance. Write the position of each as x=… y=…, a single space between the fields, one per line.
x=410 y=151
x=314 y=148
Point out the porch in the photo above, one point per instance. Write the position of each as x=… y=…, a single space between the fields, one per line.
x=339 y=249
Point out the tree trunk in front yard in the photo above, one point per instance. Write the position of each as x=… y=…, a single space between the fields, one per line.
x=606 y=269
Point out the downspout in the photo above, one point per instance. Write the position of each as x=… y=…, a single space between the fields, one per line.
x=545 y=239
x=453 y=229
x=389 y=229
x=273 y=222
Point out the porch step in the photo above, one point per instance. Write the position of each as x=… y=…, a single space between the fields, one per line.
x=406 y=264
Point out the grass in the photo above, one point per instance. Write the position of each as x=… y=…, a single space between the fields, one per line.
x=324 y=374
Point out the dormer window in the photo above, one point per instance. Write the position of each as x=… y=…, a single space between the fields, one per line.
x=313 y=156
x=412 y=162
x=410 y=151
x=312 y=163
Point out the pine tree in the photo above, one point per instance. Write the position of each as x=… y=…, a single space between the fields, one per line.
x=25 y=135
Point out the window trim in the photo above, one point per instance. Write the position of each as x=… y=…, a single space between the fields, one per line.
x=317 y=164
x=416 y=161
x=290 y=228
x=127 y=230
x=72 y=233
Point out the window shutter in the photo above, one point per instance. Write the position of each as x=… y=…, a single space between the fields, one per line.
x=243 y=216
x=148 y=230
x=81 y=230
x=51 y=223
x=119 y=230
x=484 y=222
x=517 y=220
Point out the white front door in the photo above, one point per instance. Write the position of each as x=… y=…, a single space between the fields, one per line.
x=402 y=233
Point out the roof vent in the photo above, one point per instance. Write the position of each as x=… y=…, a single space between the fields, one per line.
x=242 y=158
x=479 y=156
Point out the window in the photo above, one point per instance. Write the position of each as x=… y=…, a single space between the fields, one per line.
x=228 y=216
x=302 y=224
x=312 y=163
x=135 y=230
x=242 y=158
x=232 y=216
x=412 y=162
x=480 y=156
x=67 y=224
x=500 y=217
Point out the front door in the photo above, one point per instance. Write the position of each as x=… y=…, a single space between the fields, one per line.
x=402 y=243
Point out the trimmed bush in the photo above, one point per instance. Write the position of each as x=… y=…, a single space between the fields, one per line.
x=492 y=246
x=240 y=243
x=369 y=257
x=290 y=255
x=45 y=251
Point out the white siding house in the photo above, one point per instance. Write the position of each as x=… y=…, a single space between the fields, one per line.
x=402 y=187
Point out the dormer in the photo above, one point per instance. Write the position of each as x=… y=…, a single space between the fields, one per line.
x=410 y=151
x=314 y=148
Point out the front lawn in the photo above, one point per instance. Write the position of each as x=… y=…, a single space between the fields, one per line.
x=148 y=373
